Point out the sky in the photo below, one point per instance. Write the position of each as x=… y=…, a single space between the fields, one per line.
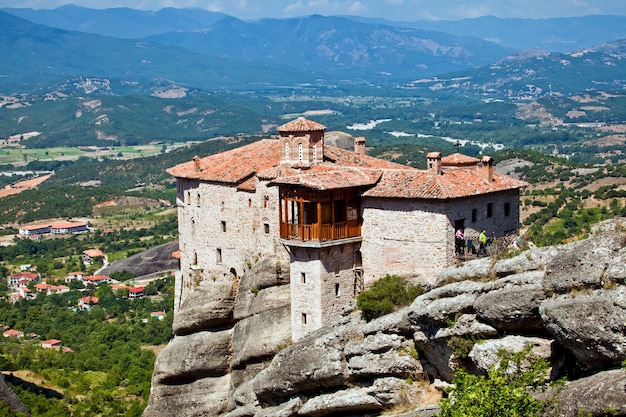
x=399 y=10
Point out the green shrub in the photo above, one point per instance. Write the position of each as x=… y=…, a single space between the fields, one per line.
x=385 y=295
x=504 y=391
x=461 y=346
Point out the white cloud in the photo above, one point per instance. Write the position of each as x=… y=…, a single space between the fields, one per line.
x=357 y=8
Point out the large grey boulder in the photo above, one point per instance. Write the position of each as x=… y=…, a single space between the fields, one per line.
x=194 y=356
x=599 y=395
x=249 y=302
x=332 y=358
x=8 y=397
x=202 y=397
x=513 y=307
x=260 y=337
x=485 y=355
x=474 y=270
x=582 y=264
x=210 y=304
x=591 y=326
x=534 y=259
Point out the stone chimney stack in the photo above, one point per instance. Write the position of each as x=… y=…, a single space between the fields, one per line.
x=487 y=168
x=359 y=145
x=196 y=163
x=434 y=163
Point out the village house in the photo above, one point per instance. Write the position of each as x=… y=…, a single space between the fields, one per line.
x=74 y=276
x=135 y=292
x=51 y=344
x=96 y=279
x=34 y=230
x=90 y=254
x=23 y=277
x=13 y=333
x=85 y=303
x=51 y=289
x=341 y=218
x=64 y=228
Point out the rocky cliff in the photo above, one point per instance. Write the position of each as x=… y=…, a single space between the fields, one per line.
x=232 y=354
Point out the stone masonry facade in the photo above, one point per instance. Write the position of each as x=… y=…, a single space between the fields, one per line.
x=278 y=198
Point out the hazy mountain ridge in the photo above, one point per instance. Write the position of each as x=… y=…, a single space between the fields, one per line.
x=338 y=46
x=554 y=34
x=564 y=34
x=536 y=74
x=39 y=57
x=120 y=22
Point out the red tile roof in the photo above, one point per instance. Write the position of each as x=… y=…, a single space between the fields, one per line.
x=341 y=168
x=233 y=166
x=92 y=253
x=301 y=124
x=452 y=183
x=458 y=159
x=68 y=225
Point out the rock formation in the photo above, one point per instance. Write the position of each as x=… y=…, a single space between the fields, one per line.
x=232 y=354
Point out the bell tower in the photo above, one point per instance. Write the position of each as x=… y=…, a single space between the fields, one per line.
x=301 y=142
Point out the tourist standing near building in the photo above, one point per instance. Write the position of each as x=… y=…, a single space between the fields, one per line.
x=482 y=240
x=459 y=241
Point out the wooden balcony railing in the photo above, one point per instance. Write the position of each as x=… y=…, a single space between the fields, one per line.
x=320 y=233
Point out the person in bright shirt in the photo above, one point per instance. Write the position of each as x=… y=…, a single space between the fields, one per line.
x=482 y=242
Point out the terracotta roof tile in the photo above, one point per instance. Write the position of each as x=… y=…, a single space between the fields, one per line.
x=341 y=168
x=458 y=159
x=301 y=124
x=232 y=166
x=331 y=177
x=452 y=183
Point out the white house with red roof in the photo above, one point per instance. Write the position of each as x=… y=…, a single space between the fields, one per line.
x=14 y=280
x=13 y=333
x=90 y=254
x=85 y=303
x=34 y=230
x=342 y=219
x=96 y=279
x=135 y=292
x=51 y=344
x=64 y=227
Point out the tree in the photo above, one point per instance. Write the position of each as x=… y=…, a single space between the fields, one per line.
x=385 y=295
x=506 y=390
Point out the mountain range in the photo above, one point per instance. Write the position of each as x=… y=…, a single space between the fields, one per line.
x=138 y=51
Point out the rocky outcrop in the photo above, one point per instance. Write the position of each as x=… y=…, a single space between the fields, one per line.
x=232 y=355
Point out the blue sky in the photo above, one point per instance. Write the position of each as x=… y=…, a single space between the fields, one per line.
x=407 y=10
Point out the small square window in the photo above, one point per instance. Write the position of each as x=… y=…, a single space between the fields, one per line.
x=266 y=228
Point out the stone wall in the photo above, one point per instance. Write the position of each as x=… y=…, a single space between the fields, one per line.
x=416 y=237
x=322 y=286
x=223 y=230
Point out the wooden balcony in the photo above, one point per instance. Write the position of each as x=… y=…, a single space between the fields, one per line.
x=320 y=232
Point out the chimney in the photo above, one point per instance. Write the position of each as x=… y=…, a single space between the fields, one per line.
x=487 y=168
x=196 y=163
x=433 y=160
x=359 y=145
